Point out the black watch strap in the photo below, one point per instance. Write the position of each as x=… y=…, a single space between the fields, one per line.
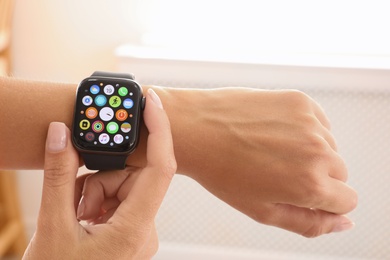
x=113 y=75
x=104 y=162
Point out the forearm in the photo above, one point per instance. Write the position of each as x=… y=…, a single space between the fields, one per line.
x=28 y=107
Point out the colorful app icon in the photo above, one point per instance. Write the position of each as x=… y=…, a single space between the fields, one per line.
x=121 y=115
x=94 y=89
x=126 y=127
x=106 y=113
x=109 y=90
x=100 y=100
x=98 y=126
x=128 y=103
x=91 y=112
x=112 y=127
x=84 y=124
x=104 y=138
x=123 y=91
x=115 y=101
x=87 y=100
x=89 y=137
x=118 y=139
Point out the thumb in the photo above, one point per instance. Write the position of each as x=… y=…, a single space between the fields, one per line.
x=308 y=222
x=147 y=193
x=60 y=169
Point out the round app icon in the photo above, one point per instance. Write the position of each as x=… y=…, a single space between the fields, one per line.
x=121 y=115
x=94 y=89
x=109 y=90
x=115 y=101
x=126 y=127
x=97 y=126
x=104 y=138
x=128 y=103
x=87 y=100
x=123 y=91
x=118 y=139
x=91 y=112
x=106 y=113
x=84 y=124
x=89 y=137
x=100 y=100
x=112 y=127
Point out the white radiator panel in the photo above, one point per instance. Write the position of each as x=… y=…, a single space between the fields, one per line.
x=358 y=105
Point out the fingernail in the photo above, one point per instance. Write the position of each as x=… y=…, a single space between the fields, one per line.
x=56 y=137
x=344 y=225
x=81 y=208
x=155 y=98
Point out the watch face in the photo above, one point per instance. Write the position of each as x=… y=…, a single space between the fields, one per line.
x=107 y=115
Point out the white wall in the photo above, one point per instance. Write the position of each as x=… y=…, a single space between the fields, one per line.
x=65 y=41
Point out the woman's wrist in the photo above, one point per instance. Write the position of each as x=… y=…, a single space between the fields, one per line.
x=184 y=107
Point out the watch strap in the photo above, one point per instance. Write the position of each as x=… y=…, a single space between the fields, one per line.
x=104 y=162
x=113 y=75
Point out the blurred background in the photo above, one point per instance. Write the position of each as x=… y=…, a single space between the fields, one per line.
x=338 y=52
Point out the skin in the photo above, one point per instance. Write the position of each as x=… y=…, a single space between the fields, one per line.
x=129 y=232
x=269 y=154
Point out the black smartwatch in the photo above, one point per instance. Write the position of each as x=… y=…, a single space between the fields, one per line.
x=107 y=119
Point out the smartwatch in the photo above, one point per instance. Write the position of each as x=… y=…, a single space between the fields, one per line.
x=107 y=119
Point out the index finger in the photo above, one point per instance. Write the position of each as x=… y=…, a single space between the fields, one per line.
x=145 y=197
x=338 y=198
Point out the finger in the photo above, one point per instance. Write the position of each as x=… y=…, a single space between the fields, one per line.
x=328 y=137
x=337 y=197
x=147 y=193
x=60 y=169
x=78 y=191
x=306 y=222
x=96 y=189
x=337 y=168
x=320 y=114
x=329 y=195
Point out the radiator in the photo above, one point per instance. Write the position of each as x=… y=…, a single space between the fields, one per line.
x=356 y=100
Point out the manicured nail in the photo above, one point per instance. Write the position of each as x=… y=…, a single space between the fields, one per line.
x=56 y=137
x=344 y=225
x=155 y=98
x=81 y=208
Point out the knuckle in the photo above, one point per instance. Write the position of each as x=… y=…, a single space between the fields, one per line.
x=317 y=192
x=316 y=225
x=313 y=194
x=313 y=231
x=297 y=98
x=316 y=146
x=91 y=183
x=56 y=175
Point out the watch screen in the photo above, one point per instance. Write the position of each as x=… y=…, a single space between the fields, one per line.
x=107 y=115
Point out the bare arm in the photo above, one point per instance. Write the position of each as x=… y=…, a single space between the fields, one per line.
x=27 y=108
x=269 y=154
